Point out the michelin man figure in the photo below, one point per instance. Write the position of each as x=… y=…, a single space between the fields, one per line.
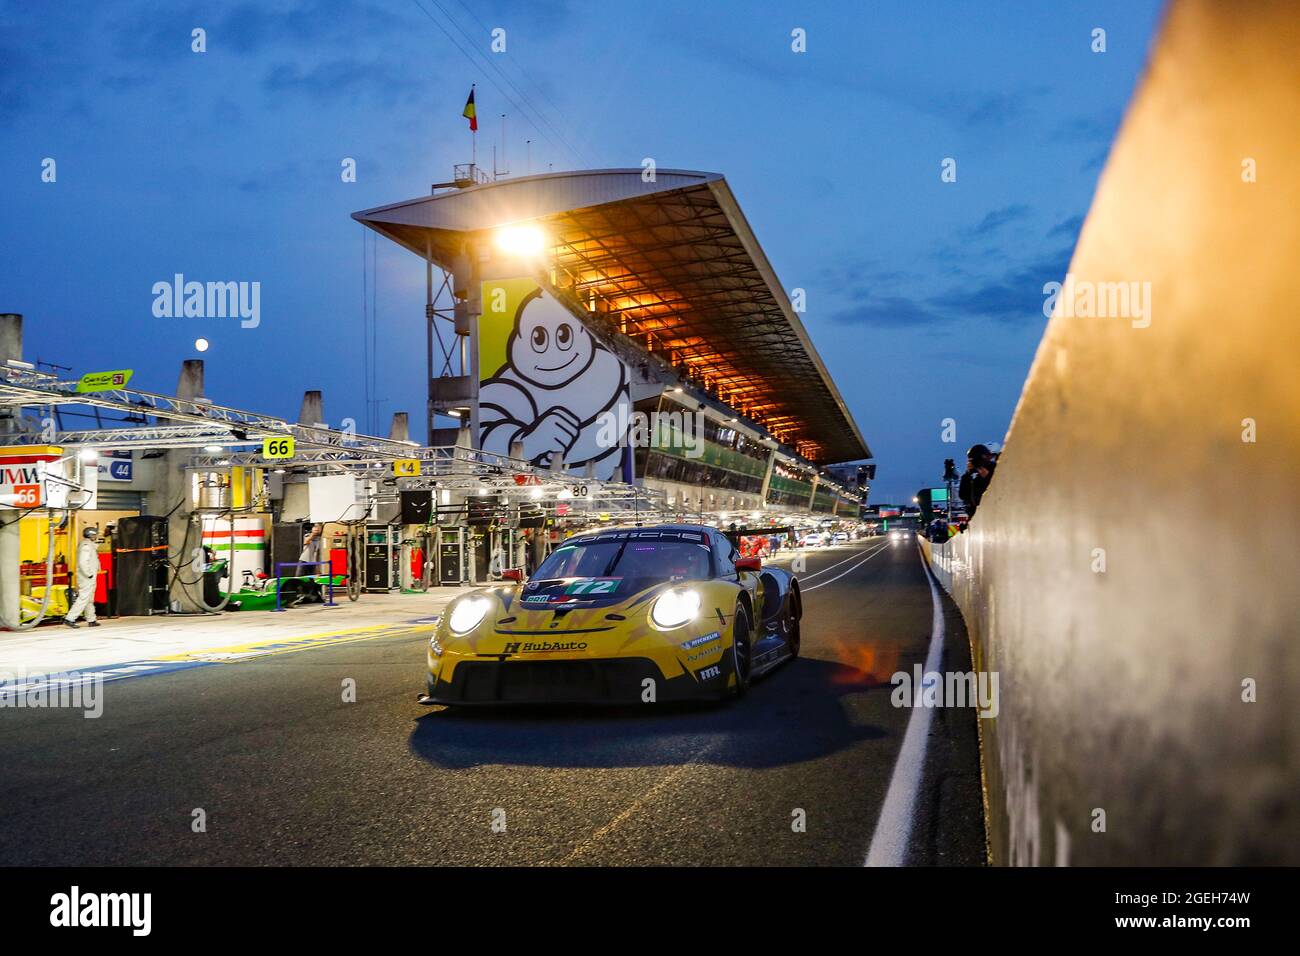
x=557 y=386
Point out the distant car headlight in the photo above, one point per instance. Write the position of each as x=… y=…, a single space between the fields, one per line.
x=468 y=614
x=674 y=608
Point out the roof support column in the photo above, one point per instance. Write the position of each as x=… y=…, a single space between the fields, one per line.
x=456 y=393
x=475 y=303
x=175 y=493
x=813 y=497
x=429 y=319
x=767 y=478
x=10 y=560
x=11 y=347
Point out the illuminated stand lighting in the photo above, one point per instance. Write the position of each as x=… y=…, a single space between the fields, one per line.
x=523 y=241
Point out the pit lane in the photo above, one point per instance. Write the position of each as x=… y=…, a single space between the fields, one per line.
x=287 y=772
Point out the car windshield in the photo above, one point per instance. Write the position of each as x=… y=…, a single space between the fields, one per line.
x=628 y=558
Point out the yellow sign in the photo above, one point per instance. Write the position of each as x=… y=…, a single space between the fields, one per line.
x=104 y=381
x=407 y=468
x=277 y=448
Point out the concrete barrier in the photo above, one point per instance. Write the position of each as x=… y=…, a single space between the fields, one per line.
x=1131 y=574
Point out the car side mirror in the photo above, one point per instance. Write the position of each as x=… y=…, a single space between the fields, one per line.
x=513 y=574
x=749 y=564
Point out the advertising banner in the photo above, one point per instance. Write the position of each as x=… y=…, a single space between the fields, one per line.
x=545 y=381
x=104 y=381
x=22 y=475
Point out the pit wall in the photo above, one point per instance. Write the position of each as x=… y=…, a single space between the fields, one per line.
x=1131 y=574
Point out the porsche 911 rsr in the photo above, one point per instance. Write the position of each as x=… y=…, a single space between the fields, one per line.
x=653 y=614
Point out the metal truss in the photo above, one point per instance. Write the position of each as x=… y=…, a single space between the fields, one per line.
x=189 y=423
x=137 y=437
x=455 y=469
x=132 y=402
x=443 y=308
x=183 y=424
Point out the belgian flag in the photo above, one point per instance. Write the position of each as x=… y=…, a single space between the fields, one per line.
x=469 y=112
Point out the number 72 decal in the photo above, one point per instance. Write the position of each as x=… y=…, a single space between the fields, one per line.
x=593 y=586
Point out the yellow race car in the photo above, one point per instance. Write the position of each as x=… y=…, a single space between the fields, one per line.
x=625 y=615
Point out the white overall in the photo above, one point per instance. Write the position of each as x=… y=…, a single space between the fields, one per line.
x=87 y=574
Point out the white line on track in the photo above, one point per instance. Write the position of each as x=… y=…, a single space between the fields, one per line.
x=894 y=828
x=804 y=590
x=857 y=552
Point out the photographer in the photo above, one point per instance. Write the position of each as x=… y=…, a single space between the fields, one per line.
x=980 y=464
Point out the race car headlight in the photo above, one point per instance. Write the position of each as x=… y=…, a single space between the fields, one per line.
x=468 y=614
x=674 y=608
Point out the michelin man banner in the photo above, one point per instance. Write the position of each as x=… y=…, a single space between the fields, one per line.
x=546 y=382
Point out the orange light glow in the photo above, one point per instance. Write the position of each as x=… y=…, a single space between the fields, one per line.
x=864 y=665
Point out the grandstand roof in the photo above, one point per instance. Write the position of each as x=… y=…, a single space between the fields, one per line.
x=673 y=265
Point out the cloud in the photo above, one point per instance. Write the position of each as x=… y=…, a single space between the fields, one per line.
x=860 y=275
x=886 y=311
x=974 y=110
x=986 y=110
x=1013 y=297
x=16 y=83
x=334 y=78
x=279 y=177
x=1095 y=162
x=996 y=219
x=72 y=52
x=1091 y=128
x=251 y=27
x=151 y=36
x=1068 y=228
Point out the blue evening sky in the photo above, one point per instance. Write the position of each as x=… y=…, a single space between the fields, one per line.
x=924 y=298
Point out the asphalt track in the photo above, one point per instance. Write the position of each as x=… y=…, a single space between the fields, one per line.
x=286 y=772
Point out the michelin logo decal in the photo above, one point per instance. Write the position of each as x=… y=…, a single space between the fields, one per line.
x=705 y=639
